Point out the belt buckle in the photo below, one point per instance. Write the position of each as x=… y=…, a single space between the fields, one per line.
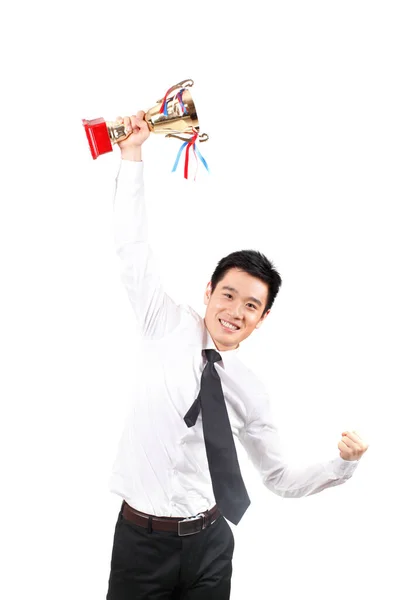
x=181 y=527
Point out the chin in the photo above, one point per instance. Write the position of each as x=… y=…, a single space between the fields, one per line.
x=228 y=340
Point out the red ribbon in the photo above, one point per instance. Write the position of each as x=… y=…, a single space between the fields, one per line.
x=165 y=99
x=190 y=144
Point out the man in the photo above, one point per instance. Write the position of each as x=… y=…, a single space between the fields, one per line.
x=177 y=468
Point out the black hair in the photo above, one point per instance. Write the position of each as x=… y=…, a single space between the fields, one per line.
x=254 y=263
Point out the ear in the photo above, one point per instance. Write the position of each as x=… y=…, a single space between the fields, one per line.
x=261 y=321
x=207 y=293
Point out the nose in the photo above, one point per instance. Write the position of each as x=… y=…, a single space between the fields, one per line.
x=236 y=310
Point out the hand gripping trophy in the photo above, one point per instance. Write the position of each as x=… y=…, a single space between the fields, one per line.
x=174 y=116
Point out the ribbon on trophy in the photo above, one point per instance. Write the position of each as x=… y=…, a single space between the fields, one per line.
x=190 y=144
x=177 y=97
x=179 y=106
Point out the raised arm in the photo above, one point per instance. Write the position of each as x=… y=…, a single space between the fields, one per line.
x=156 y=313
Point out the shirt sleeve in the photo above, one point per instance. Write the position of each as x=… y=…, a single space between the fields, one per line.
x=261 y=441
x=156 y=312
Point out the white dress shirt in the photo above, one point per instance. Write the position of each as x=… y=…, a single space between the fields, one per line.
x=161 y=466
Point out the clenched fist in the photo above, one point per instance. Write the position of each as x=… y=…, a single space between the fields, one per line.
x=138 y=131
x=351 y=446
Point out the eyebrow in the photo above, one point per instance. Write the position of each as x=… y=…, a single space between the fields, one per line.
x=231 y=289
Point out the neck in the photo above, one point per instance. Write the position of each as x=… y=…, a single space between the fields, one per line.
x=221 y=347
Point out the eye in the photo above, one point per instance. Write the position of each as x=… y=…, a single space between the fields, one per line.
x=228 y=295
x=252 y=306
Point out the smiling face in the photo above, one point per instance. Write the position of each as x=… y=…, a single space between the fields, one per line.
x=235 y=308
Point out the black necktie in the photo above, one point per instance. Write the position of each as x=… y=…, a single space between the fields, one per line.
x=228 y=486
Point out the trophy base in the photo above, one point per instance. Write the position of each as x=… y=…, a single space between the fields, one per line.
x=98 y=137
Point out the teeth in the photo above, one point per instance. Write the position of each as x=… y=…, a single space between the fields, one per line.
x=226 y=324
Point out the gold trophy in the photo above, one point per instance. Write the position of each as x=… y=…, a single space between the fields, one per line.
x=174 y=116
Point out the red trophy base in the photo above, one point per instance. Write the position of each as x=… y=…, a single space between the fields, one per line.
x=98 y=137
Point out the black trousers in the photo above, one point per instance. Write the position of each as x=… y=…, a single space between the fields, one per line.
x=163 y=566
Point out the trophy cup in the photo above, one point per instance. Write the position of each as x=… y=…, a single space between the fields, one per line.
x=174 y=116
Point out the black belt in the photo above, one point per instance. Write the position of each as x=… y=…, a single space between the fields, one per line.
x=180 y=525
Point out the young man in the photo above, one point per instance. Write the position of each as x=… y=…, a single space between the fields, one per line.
x=177 y=468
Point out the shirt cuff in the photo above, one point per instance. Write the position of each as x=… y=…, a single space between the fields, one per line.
x=130 y=171
x=344 y=468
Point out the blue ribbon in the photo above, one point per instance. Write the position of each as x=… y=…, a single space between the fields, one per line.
x=179 y=96
x=201 y=157
x=178 y=156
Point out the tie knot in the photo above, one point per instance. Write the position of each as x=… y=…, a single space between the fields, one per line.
x=212 y=356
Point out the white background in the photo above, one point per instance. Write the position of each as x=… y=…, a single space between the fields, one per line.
x=301 y=102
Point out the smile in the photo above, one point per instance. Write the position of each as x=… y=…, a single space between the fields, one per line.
x=229 y=326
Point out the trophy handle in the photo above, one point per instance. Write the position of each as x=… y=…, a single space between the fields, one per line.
x=202 y=138
x=182 y=84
